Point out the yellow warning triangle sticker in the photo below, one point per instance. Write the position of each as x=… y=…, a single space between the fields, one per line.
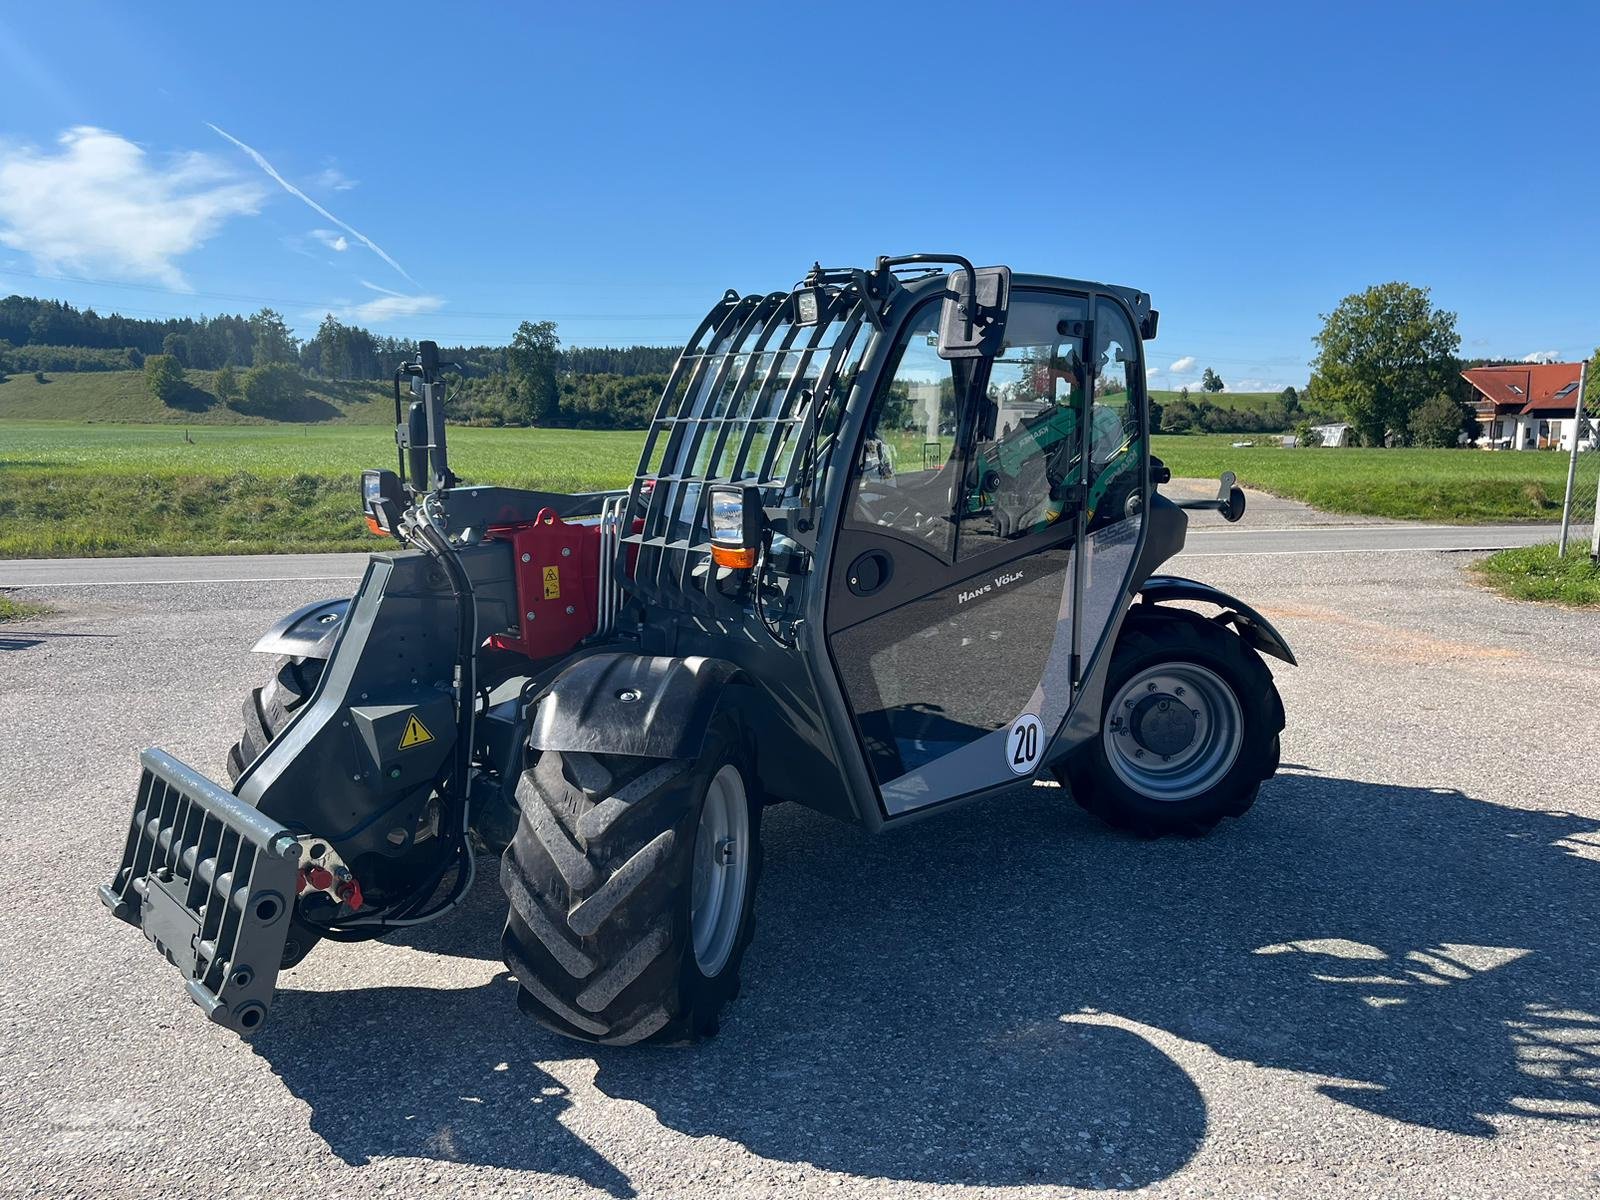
x=416 y=734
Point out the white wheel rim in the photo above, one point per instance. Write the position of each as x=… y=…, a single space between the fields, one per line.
x=721 y=870
x=1167 y=753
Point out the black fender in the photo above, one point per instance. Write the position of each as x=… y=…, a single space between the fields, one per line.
x=307 y=632
x=636 y=704
x=1256 y=630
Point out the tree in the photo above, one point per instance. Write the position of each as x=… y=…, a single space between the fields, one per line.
x=1305 y=434
x=1291 y=400
x=275 y=390
x=533 y=360
x=1591 y=387
x=273 y=343
x=227 y=383
x=164 y=376
x=1212 y=382
x=177 y=346
x=1439 y=421
x=1382 y=354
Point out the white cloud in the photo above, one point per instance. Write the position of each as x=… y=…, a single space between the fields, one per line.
x=1542 y=356
x=1186 y=363
x=260 y=161
x=100 y=205
x=332 y=239
x=389 y=308
x=1151 y=370
x=334 y=180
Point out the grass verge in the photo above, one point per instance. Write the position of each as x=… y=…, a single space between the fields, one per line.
x=18 y=610
x=1536 y=573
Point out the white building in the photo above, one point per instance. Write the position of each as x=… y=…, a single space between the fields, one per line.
x=1528 y=406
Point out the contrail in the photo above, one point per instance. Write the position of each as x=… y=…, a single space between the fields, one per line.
x=294 y=191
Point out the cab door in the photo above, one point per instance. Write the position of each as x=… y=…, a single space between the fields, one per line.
x=955 y=573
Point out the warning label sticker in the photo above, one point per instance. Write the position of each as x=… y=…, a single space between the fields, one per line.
x=416 y=734
x=552 y=583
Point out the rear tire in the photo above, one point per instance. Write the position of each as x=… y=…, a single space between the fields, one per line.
x=267 y=709
x=1208 y=767
x=602 y=931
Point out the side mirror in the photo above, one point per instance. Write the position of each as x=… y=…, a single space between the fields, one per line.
x=735 y=520
x=975 y=326
x=382 y=498
x=1232 y=509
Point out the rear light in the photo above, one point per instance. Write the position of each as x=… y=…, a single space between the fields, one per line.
x=735 y=521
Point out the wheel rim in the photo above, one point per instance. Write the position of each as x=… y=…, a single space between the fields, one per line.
x=1173 y=731
x=721 y=870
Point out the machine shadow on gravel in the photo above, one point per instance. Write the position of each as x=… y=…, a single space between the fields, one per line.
x=1435 y=953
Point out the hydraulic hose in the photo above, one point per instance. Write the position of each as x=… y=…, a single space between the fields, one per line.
x=432 y=539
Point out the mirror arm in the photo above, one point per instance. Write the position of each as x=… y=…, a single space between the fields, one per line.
x=969 y=302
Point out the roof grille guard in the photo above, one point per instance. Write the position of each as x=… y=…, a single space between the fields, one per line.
x=741 y=406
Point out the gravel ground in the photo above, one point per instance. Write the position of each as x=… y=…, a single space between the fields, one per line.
x=1385 y=980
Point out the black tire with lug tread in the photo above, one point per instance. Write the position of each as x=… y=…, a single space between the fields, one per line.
x=267 y=709
x=599 y=933
x=1178 y=635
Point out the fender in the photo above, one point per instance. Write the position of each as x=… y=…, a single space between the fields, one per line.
x=635 y=704
x=1255 y=629
x=307 y=632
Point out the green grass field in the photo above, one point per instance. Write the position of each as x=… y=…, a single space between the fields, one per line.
x=1426 y=485
x=69 y=490
x=85 y=489
x=121 y=396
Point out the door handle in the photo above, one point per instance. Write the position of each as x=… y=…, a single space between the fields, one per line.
x=869 y=573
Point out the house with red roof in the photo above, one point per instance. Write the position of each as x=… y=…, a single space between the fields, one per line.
x=1528 y=406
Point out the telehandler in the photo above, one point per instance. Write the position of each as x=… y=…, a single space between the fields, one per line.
x=892 y=546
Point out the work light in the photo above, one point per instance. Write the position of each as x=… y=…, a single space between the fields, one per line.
x=808 y=306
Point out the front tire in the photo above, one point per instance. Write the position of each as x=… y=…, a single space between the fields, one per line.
x=632 y=886
x=267 y=709
x=1189 y=732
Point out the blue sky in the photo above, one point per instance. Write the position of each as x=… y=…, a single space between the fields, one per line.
x=614 y=167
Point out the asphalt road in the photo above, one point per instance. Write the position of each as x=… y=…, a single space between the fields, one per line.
x=1208 y=537
x=1384 y=980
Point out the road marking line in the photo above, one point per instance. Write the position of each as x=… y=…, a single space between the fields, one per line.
x=1355 y=550
x=7 y=587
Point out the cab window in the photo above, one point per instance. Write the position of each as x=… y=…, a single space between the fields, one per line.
x=907 y=469
x=1025 y=459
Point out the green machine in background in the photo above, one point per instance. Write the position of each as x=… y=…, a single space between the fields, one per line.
x=1026 y=477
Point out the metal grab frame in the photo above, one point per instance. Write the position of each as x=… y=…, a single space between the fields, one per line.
x=703 y=392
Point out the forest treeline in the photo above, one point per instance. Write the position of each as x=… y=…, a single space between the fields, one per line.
x=50 y=335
